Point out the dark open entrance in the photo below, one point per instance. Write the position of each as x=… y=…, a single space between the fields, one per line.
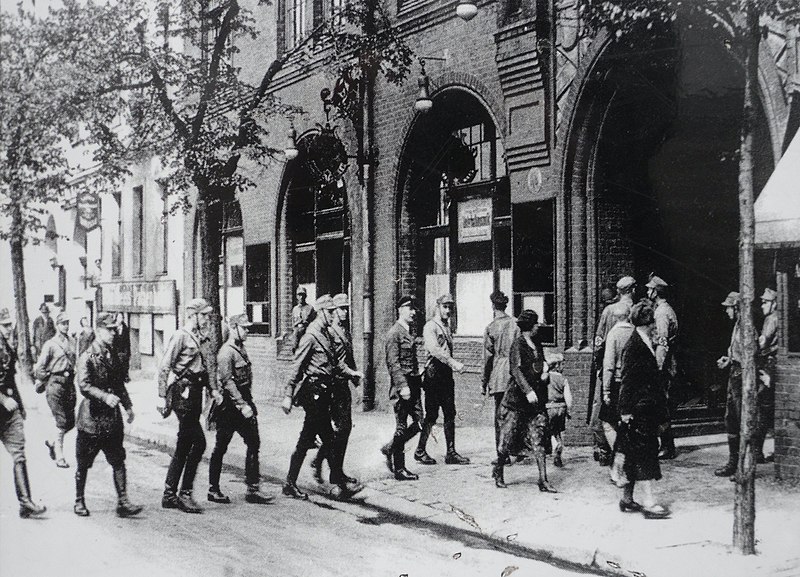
x=662 y=177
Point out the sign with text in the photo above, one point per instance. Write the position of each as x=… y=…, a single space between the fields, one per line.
x=475 y=220
x=140 y=296
x=88 y=204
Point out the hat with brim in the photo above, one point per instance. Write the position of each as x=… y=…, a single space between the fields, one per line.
x=405 y=301
x=341 y=300
x=239 y=321
x=62 y=318
x=656 y=282
x=769 y=295
x=199 y=305
x=732 y=299
x=445 y=299
x=5 y=317
x=553 y=358
x=324 y=303
x=626 y=282
x=106 y=321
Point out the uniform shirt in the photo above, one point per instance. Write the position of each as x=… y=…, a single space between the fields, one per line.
x=44 y=329
x=97 y=377
x=497 y=340
x=315 y=357
x=736 y=348
x=57 y=357
x=768 y=341
x=342 y=344
x=611 y=315
x=666 y=332
x=401 y=358
x=439 y=343
x=300 y=314
x=616 y=340
x=235 y=374
x=182 y=357
x=8 y=385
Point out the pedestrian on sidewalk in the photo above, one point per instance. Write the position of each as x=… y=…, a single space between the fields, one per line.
x=182 y=376
x=523 y=413
x=43 y=329
x=100 y=425
x=12 y=417
x=122 y=344
x=438 y=383
x=665 y=336
x=766 y=361
x=55 y=375
x=643 y=410
x=235 y=414
x=559 y=402
x=302 y=315
x=84 y=336
x=733 y=406
x=497 y=340
x=314 y=372
x=612 y=314
x=615 y=343
x=341 y=399
x=405 y=391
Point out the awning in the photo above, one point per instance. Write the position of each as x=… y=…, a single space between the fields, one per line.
x=777 y=209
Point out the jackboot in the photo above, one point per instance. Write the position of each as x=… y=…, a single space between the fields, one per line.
x=27 y=508
x=254 y=495
x=124 y=507
x=400 y=471
x=733 y=459
x=452 y=457
x=497 y=474
x=316 y=464
x=544 y=484
x=421 y=454
x=80 y=486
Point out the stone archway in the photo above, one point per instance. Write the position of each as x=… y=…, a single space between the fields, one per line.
x=649 y=179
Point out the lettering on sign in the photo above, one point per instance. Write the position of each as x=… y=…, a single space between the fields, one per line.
x=475 y=220
x=140 y=296
x=88 y=204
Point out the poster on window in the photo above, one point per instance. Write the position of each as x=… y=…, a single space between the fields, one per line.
x=475 y=220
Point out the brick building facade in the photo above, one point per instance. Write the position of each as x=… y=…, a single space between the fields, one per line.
x=592 y=161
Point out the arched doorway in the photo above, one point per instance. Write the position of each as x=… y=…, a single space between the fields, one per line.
x=316 y=230
x=650 y=186
x=454 y=213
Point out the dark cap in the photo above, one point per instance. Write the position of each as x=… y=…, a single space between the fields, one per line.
x=43 y=307
x=301 y=291
x=499 y=298
x=445 y=299
x=406 y=301
x=106 y=321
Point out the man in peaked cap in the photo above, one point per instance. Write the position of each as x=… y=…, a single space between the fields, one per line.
x=12 y=416
x=302 y=315
x=236 y=414
x=732 y=360
x=341 y=399
x=497 y=340
x=405 y=390
x=312 y=378
x=665 y=339
x=766 y=361
x=99 y=424
x=182 y=376
x=55 y=370
x=438 y=383
x=612 y=314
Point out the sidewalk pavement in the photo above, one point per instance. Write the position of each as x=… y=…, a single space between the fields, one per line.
x=580 y=526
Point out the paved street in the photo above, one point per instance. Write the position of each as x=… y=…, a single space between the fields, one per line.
x=289 y=537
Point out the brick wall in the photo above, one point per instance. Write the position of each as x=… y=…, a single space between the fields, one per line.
x=787 y=418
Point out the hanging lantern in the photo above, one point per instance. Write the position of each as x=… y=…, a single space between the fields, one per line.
x=466 y=10
x=423 y=102
x=291 y=151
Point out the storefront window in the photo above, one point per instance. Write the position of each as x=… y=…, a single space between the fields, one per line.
x=258 y=287
x=231 y=261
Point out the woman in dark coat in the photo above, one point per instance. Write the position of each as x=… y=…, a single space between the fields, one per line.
x=523 y=412
x=643 y=409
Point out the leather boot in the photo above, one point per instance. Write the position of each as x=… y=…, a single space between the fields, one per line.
x=668 y=450
x=733 y=459
x=187 y=504
x=421 y=454
x=497 y=474
x=27 y=508
x=316 y=464
x=254 y=495
x=80 y=486
x=124 y=507
x=452 y=457
x=400 y=471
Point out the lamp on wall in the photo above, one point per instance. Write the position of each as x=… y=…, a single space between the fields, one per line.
x=291 y=151
x=423 y=103
x=466 y=10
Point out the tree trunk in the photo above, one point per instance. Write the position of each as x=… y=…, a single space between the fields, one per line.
x=20 y=293
x=744 y=512
x=209 y=258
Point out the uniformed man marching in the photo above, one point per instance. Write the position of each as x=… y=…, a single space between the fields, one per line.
x=439 y=385
x=665 y=339
x=100 y=425
x=766 y=362
x=12 y=415
x=236 y=414
x=55 y=370
x=183 y=375
x=341 y=399
x=314 y=373
x=405 y=391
